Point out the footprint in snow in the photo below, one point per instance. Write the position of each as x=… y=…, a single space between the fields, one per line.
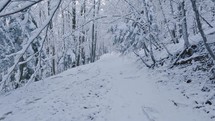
x=5 y=115
x=150 y=113
x=32 y=101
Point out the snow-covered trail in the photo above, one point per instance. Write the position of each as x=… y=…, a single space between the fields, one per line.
x=135 y=96
x=112 y=89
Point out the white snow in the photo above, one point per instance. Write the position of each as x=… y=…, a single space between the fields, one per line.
x=114 y=88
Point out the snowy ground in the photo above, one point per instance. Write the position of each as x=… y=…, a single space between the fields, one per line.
x=112 y=89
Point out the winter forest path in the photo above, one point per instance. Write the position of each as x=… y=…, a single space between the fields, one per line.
x=112 y=89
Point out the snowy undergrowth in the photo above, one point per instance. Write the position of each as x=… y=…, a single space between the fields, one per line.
x=192 y=79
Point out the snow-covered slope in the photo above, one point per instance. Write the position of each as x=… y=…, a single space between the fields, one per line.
x=114 y=88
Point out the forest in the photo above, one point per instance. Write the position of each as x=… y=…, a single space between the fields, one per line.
x=172 y=39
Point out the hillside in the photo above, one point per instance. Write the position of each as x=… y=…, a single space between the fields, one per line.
x=115 y=88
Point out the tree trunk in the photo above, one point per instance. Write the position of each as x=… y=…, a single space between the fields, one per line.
x=52 y=43
x=184 y=25
x=171 y=32
x=76 y=40
x=199 y=24
x=94 y=34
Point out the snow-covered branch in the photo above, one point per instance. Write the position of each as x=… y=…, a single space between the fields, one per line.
x=35 y=34
x=25 y=6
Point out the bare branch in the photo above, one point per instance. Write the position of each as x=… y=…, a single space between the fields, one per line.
x=4 y=5
x=26 y=6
